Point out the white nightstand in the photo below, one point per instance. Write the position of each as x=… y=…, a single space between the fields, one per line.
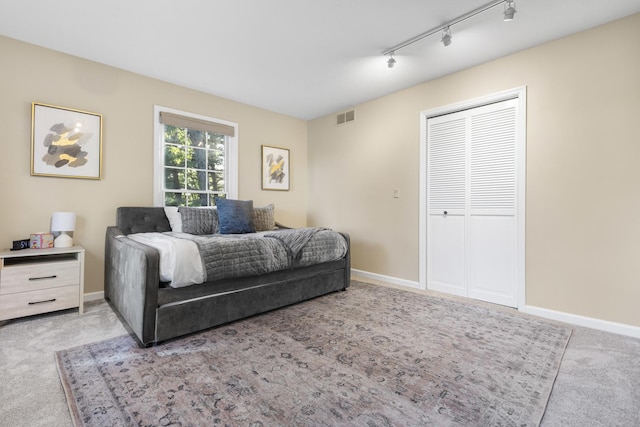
x=34 y=281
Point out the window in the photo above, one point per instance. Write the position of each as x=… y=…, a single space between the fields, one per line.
x=195 y=159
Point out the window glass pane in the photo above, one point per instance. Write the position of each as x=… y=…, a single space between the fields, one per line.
x=174 y=135
x=197 y=199
x=196 y=138
x=174 y=199
x=215 y=141
x=215 y=160
x=196 y=180
x=196 y=158
x=173 y=179
x=173 y=155
x=216 y=181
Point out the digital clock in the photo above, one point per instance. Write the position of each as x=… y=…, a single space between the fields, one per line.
x=21 y=244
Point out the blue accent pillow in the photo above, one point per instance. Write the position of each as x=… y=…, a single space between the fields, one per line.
x=235 y=216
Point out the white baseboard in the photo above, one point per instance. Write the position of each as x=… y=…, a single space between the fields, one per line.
x=388 y=279
x=559 y=316
x=587 y=322
x=94 y=296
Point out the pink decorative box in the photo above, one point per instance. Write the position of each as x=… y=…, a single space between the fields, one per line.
x=41 y=240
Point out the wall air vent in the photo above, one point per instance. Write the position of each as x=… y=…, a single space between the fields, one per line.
x=346 y=117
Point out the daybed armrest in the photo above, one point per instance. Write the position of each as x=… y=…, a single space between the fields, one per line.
x=347 y=272
x=131 y=282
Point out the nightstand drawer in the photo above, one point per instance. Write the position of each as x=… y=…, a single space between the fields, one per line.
x=36 y=302
x=35 y=276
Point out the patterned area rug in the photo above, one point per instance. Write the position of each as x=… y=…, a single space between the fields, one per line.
x=371 y=356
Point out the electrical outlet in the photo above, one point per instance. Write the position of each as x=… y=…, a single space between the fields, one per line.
x=396 y=193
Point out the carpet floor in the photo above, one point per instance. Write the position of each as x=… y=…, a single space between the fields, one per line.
x=369 y=356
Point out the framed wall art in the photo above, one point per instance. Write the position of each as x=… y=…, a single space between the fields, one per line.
x=65 y=142
x=275 y=168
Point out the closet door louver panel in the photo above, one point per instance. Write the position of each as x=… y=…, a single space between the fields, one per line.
x=447 y=154
x=493 y=161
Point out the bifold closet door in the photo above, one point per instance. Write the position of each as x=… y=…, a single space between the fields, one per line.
x=446 y=203
x=471 y=203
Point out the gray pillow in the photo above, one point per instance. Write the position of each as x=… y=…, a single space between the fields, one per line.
x=199 y=220
x=235 y=216
x=264 y=218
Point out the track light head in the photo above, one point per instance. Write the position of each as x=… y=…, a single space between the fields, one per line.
x=391 y=62
x=510 y=10
x=446 y=36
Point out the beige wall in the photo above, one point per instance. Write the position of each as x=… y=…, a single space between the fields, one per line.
x=583 y=178
x=126 y=101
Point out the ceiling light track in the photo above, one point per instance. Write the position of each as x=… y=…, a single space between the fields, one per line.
x=509 y=11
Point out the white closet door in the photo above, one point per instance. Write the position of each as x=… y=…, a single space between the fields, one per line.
x=446 y=194
x=471 y=203
x=492 y=243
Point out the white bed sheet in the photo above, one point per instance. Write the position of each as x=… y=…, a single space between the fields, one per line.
x=180 y=262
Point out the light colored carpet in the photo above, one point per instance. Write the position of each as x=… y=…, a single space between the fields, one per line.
x=598 y=383
x=31 y=393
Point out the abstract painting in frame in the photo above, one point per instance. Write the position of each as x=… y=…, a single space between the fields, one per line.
x=275 y=168
x=65 y=142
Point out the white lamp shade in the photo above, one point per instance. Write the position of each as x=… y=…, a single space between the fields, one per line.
x=63 y=221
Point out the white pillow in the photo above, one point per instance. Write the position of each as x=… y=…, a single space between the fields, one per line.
x=175 y=220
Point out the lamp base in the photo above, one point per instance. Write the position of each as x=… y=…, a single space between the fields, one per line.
x=63 y=241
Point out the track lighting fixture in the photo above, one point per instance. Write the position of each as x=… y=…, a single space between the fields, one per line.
x=509 y=10
x=391 y=61
x=446 y=36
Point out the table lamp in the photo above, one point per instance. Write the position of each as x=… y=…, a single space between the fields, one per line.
x=63 y=222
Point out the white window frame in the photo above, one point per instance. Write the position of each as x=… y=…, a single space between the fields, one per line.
x=231 y=154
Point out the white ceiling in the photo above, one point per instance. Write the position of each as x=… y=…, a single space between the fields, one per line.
x=302 y=58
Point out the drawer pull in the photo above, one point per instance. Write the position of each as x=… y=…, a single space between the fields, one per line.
x=42 y=302
x=43 y=278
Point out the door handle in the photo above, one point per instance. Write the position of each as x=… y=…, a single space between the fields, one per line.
x=445 y=212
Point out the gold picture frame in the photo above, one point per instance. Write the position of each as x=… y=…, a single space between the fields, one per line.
x=65 y=142
x=275 y=168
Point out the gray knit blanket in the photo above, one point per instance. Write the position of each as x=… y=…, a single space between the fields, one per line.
x=294 y=240
x=239 y=255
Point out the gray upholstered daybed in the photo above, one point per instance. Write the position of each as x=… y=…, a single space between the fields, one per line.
x=156 y=311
